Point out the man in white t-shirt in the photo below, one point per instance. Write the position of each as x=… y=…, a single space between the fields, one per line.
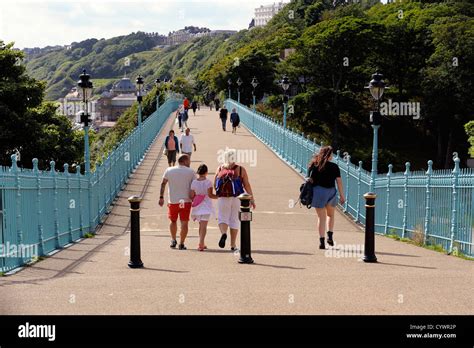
x=180 y=179
x=187 y=143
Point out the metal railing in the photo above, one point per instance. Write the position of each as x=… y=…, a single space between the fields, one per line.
x=42 y=211
x=435 y=207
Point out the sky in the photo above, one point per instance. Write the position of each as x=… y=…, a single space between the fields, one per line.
x=39 y=23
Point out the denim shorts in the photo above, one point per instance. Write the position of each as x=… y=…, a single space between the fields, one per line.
x=323 y=196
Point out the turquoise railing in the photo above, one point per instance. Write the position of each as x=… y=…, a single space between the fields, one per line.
x=42 y=211
x=434 y=206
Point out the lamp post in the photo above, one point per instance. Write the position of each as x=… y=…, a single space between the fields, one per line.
x=285 y=84
x=377 y=88
x=85 y=85
x=158 y=92
x=239 y=83
x=229 y=82
x=140 y=83
x=254 y=85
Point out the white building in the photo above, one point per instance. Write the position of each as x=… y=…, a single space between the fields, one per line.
x=264 y=13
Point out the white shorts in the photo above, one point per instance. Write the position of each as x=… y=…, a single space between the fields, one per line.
x=228 y=209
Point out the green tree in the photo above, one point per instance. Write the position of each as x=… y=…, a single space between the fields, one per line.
x=29 y=125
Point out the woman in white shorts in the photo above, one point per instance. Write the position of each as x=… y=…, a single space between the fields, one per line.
x=201 y=194
x=230 y=182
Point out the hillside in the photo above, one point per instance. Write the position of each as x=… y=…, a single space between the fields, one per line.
x=105 y=60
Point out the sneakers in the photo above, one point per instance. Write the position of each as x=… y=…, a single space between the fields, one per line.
x=234 y=249
x=222 y=241
x=330 y=240
x=173 y=244
x=182 y=247
x=322 y=244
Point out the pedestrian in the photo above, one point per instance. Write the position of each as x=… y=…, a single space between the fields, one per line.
x=171 y=148
x=235 y=120
x=180 y=179
x=179 y=116
x=184 y=120
x=324 y=175
x=186 y=103
x=187 y=143
x=217 y=103
x=211 y=104
x=223 y=116
x=230 y=182
x=202 y=208
x=194 y=106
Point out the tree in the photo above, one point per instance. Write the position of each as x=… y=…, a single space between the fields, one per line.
x=29 y=125
x=470 y=133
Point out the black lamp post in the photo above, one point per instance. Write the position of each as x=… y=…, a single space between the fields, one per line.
x=377 y=88
x=229 y=82
x=158 y=92
x=140 y=83
x=86 y=86
x=254 y=85
x=285 y=84
x=239 y=84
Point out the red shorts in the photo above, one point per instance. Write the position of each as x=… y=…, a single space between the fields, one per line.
x=181 y=210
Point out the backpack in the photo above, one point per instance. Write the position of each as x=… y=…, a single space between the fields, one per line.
x=228 y=184
x=306 y=193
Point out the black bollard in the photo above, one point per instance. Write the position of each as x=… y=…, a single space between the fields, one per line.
x=369 y=250
x=245 y=217
x=135 y=258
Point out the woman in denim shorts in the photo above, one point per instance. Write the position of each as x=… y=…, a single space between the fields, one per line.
x=324 y=175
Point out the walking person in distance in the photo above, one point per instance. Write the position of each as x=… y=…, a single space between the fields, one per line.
x=325 y=175
x=223 y=116
x=171 y=148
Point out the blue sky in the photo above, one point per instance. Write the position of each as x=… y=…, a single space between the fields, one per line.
x=38 y=23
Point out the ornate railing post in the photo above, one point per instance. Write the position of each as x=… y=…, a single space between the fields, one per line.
x=69 y=217
x=39 y=213
x=454 y=217
x=347 y=159
x=81 y=206
x=387 y=204
x=55 y=203
x=429 y=173
x=19 y=231
x=359 y=184
x=405 y=201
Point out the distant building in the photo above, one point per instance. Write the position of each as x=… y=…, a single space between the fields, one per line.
x=189 y=33
x=105 y=110
x=265 y=13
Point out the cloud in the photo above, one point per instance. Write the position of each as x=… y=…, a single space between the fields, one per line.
x=57 y=22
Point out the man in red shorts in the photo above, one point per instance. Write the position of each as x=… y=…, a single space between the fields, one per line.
x=180 y=179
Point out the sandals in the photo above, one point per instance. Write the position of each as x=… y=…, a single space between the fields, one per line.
x=202 y=247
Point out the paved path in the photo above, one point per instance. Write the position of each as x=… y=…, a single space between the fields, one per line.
x=291 y=276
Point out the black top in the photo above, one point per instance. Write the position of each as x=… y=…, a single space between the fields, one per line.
x=327 y=177
x=223 y=113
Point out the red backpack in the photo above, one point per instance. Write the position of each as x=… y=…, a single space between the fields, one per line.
x=229 y=183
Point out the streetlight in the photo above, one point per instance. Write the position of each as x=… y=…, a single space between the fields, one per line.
x=377 y=88
x=158 y=92
x=254 y=85
x=285 y=84
x=140 y=83
x=229 y=82
x=239 y=83
x=85 y=84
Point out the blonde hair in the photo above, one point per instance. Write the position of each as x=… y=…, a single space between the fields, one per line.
x=229 y=158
